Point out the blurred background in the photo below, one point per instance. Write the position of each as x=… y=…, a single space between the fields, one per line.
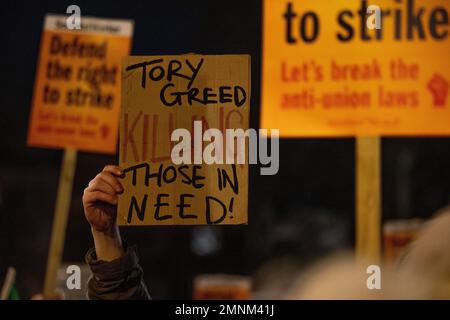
x=303 y=213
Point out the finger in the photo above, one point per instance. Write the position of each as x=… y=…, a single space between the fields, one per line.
x=101 y=185
x=115 y=170
x=95 y=196
x=111 y=180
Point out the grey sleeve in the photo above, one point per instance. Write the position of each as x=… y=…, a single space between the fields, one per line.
x=120 y=279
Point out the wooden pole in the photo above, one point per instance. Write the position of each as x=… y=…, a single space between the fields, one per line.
x=368 y=199
x=60 y=220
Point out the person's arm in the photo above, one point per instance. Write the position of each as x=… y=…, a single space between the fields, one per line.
x=116 y=273
x=108 y=245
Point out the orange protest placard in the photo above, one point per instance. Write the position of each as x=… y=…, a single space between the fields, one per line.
x=76 y=102
x=328 y=71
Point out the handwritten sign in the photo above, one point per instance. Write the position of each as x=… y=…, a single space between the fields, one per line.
x=161 y=94
x=328 y=71
x=76 y=99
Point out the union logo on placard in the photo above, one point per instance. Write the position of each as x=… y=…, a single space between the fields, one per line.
x=438 y=86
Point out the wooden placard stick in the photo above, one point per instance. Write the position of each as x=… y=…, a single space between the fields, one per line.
x=368 y=199
x=60 y=219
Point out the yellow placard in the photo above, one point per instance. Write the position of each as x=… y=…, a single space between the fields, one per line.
x=76 y=102
x=192 y=93
x=328 y=70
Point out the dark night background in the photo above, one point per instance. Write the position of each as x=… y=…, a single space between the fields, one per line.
x=304 y=212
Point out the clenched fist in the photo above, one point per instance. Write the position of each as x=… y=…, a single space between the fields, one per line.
x=100 y=199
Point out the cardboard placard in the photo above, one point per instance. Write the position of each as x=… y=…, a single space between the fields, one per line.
x=164 y=93
x=326 y=73
x=76 y=101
